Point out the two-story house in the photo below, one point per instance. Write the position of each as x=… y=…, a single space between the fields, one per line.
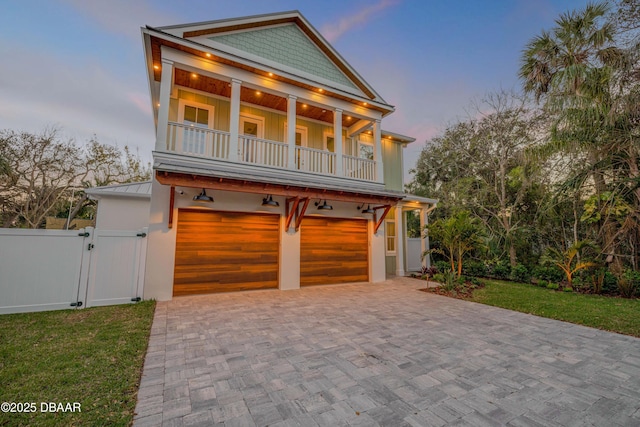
x=271 y=166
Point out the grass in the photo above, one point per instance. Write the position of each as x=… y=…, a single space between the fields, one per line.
x=92 y=356
x=607 y=313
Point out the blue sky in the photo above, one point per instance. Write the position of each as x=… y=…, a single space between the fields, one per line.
x=78 y=64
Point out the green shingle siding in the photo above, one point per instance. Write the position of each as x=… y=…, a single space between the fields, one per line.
x=286 y=45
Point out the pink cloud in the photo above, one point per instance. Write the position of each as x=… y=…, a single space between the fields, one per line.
x=333 y=31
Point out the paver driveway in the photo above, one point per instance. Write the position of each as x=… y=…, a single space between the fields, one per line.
x=379 y=354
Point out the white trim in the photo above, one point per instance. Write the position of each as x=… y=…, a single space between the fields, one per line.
x=251 y=118
x=325 y=136
x=187 y=103
x=390 y=224
x=304 y=134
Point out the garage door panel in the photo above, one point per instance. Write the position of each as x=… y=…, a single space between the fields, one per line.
x=333 y=250
x=225 y=251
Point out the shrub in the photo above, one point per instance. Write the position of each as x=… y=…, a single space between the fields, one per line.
x=567 y=289
x=542 y=283
x=475 y=268
x=629 y=283
x=609 y=284
x=519 y=273
x=501 y=271
x=551 y=274
x=439 y=277
x=553 y=286
x=442 y=266
x=596 y=280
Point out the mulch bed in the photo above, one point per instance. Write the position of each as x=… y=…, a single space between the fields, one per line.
x=462 y=292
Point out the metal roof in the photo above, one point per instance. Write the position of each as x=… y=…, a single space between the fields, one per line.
x=133 y=189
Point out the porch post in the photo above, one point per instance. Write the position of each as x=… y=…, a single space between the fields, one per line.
x=399 y=241
x=424 y=242
x=234 y=119
x=337 y=140
x=291 y=131
x=377 y=150
x=166 y=82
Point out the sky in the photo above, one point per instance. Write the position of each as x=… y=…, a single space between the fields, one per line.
x=78 y=65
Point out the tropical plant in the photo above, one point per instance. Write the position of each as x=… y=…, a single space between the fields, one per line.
x=456 y=236
x=569 y=260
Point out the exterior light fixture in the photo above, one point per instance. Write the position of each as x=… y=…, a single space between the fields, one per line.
x=320 y=90
x=270 y=74
x=208 y=55
x=268 y=201
x=157 y=67
x=324 y=206
x=258 y=93
x=194 y=75
x=202 y=197
x=366 y=211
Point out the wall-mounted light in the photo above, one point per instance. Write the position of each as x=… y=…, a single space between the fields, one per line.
x=268 y=201
x=324 y=206
x=202 y=197
x=366 y=211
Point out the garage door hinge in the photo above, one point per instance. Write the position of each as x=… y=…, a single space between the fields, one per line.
x=136 y=299
x=76 y=304
x=90 y=246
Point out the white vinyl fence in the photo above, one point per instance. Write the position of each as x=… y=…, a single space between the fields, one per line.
x=53 y=269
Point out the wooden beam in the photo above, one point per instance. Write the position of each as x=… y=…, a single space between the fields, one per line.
x=172 y=197
x=243 y=186
x=382 y=217
x=300 y=215
x=290 y=210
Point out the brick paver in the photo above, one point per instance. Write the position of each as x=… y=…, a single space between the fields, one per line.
x=379 y=354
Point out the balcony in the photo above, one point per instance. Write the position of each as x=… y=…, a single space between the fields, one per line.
x=215 y=144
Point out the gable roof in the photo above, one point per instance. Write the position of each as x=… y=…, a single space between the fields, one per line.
x=285 y=41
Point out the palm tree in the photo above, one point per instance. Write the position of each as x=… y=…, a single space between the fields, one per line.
x=572 y=68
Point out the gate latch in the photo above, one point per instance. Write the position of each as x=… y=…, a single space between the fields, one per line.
x=76 y=304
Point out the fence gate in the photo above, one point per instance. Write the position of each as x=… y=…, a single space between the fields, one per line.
x=54 y=269
x=117 y=267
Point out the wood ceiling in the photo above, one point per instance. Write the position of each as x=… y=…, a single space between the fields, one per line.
x=252 y=96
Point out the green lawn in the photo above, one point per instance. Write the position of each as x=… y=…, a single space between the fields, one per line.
x=92 y=356
x=611 y=314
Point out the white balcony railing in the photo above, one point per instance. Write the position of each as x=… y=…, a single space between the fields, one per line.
x=197 y=141
x=192 y=140
x=316 y=161
x=357 y=168
x=262 y=152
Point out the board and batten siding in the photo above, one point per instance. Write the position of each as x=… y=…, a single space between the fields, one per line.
x=392 y=158
x=220 y=113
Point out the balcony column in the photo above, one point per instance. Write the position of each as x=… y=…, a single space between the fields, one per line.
x=399 y=222
x=166 y=83
x=291 y=131
x=337 y=140
x=377 y=150
x=234 y=120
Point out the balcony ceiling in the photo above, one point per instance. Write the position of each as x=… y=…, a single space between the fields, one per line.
x=252 y=96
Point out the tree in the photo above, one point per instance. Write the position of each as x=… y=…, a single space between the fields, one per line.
x=456 y=236
x=577 y=69
x=43 y=172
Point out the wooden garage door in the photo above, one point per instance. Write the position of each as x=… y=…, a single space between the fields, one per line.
x=225 y=251
x=333 y=250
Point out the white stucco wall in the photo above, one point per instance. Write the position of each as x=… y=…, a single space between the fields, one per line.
x=122 y=213
x=162 y=240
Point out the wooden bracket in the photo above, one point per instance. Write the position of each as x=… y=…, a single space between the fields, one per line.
x=172 y=197
x=300 y=214
x=377 y=220
x=291 y=207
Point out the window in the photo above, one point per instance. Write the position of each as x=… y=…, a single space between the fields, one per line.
x=390 y=236
x=301 y=135
x=251 y=125
x=196 y=117
x=365 y=150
